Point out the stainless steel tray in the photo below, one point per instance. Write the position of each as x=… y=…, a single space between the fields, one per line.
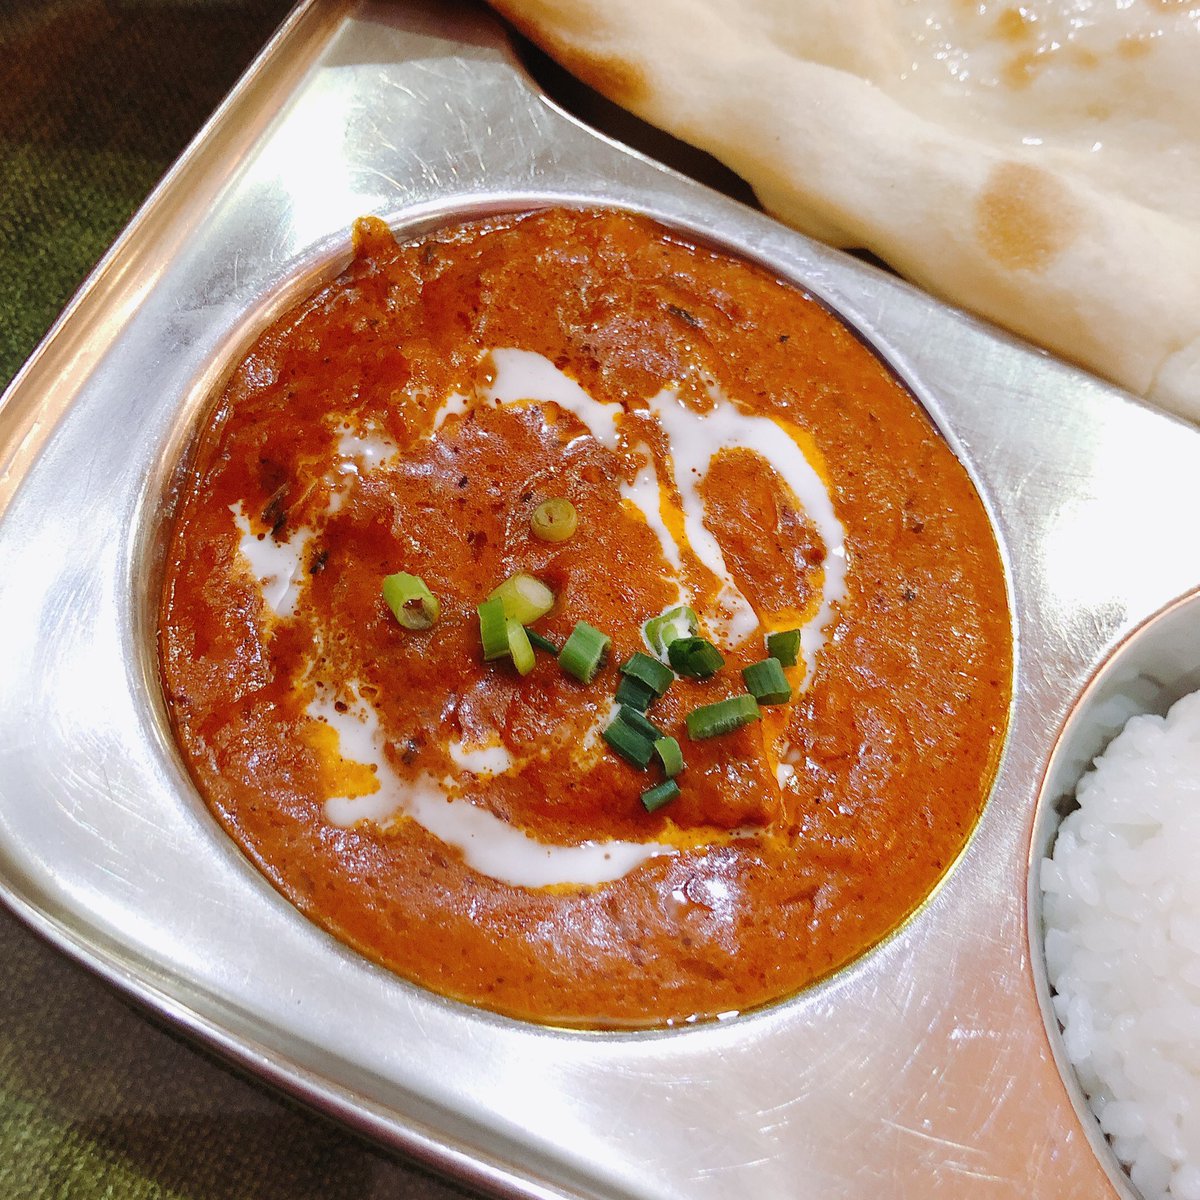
x=924 y=1070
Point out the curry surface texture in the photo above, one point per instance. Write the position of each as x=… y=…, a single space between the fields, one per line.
x=466 y=826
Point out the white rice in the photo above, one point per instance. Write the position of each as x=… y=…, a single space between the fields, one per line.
x=1122 y=915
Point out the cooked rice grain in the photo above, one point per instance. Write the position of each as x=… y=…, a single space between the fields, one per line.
x=1122 y=915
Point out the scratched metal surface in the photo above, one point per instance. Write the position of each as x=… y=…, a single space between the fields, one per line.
x=924 y=1070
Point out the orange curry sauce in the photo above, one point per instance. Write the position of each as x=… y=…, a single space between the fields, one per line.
x=771 y=885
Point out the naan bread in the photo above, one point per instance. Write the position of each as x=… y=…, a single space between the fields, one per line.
x=1039 y=165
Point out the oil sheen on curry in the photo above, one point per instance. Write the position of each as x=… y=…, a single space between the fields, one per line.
x=446 y=781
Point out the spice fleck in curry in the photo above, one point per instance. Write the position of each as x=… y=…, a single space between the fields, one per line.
x=745 y=498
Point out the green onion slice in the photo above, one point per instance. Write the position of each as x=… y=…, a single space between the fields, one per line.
x=669 y=754
x=661 y=793
x=541 y=643
x=635 y=693
x=695 y=657
x=584 y=651
x=554 y=520
x=659 y=632
x=712 y=720
x=640 y=722
x=785 y=646
x=493 y=629
x=767 y=683
x=519 y=648
x=413 y=604
x=631 y=744
x=648 y=671
x=525 y=598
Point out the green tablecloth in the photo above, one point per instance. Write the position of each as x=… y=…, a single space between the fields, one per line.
x=97 y=97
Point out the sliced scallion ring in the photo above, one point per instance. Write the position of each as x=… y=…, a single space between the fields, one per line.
x=695 y=657
x=785 y=646
x=766 y=682
x=648 y=671
x=635 y=693
x=584 y=652
x=670 y=755
x=525 y=599
x=412 y=603
x=519 y=649
x=493 y=629
x=661 y=793
x=640 y=722
x=554 y=520
x=631 y=744
x=659 y=632
x=712 y=720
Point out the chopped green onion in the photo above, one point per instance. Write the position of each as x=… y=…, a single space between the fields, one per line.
x=631 y=744
x=554 y=520
x=584 y=651
x=659 y=632
x=640 y=722
x=785 y=646
x=695 y=657
x=661 y=793
x=635 y=693
x=519 y=648
x=412 y=603
x=648 y=671
x=541 y=643
x=670 y=755
x=493 y=629
x=525 y=598
x=767 y=683
x=712 y=720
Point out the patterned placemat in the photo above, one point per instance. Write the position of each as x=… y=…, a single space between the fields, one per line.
x=96 y=100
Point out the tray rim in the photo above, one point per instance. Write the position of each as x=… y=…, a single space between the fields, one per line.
x=22 y=435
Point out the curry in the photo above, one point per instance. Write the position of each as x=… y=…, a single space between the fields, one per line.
x=725 y=447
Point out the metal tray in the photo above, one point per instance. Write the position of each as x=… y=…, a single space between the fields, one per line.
x=925 y=1070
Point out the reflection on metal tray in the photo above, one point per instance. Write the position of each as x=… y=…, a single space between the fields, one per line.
x=923 y=1070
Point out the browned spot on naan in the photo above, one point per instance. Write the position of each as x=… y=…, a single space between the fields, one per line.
x=1014 y=24
x=1024 y=67
x=621 y=81
x=1021 y=70
x=1134 y=45
x=1024 y=217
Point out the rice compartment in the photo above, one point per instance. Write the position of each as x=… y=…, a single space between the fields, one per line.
x=1121 y=897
